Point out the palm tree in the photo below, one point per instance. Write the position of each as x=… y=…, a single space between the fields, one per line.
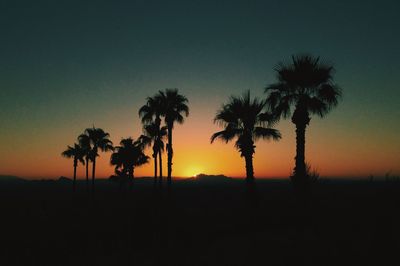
x=173 y=107
x=99 y=140
x=127 y=156
x=150 y=114
x=77 y=154
x=305 y=87
x=243 y=118
x=84 y=142
x=155 y=135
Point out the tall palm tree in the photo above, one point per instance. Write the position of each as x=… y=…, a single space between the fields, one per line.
x=76 y=152
x=150 y=114
x=243 y=118
x=155 y=135
x=99 y=140
x=84 y=142
x=127 y=156
x=174 y=108
x=305 y=87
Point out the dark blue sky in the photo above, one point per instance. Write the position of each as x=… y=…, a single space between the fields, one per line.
x=66 y=64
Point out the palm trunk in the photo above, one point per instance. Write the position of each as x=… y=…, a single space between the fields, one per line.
x=160 y=162
x=300 y=118
x=249 y=168
x=87 y=173
x=158 y=123
x=155 y=165
x=131 y=176
x=170 y=153
x=74 y=181
x=300 y=168
x=93 y=172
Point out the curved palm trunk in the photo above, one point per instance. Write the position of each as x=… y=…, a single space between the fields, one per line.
x=160 y=162
x=170 y=152
x=74 y=181
x=249 y=167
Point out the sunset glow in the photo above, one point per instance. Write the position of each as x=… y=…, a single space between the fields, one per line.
x=56 y=83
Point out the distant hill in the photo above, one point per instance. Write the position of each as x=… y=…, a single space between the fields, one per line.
x=211 y=178
x=11 y=178
x=64 y=179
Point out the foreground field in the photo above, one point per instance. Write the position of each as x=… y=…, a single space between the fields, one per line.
x=200 y=223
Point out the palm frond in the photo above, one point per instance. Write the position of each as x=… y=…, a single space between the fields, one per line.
x=330 y=94
x=266 y=133
x=224 y=135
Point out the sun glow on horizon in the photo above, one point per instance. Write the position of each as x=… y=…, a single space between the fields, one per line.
x=192 y=171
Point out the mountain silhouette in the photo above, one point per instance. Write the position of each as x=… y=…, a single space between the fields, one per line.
x=11 y=178
x=64 y=179
x=211 y=178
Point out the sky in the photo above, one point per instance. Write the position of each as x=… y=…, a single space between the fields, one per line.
x=69 y=65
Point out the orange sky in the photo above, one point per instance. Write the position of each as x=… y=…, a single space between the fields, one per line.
x=63 y=69
x=334 y=148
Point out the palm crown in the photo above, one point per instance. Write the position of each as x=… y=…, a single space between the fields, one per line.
x=151 y=111
x=128 y=155
x=173 y=106
x=76 y=152
x=154 y=134
x=99 y=140
x=304 y=85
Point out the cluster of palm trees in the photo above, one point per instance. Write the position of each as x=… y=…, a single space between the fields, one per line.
x=167 y=105
x=304 y=87
x=90 y=142
x=172 y=107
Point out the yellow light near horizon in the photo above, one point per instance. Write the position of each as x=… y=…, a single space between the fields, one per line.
x=192 y=171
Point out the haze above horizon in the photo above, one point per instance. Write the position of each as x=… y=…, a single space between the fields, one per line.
x=68 y=66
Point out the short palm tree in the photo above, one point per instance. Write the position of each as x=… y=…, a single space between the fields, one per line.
x=150 y=114
x=155 y=135
x=305 y=87
x=99 y=140
x=127 y=156
x=77 y=153
x=243 y=118
x=173 y=108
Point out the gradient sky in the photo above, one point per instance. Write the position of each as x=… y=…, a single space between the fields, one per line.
x=66 y=65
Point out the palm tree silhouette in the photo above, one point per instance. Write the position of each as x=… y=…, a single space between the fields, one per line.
x=155 y=135
x=173 y=108
x=99 y=140
x=151 y=116
x=77 y=154
x=243 y=118
x=305 y=87
x=127 y=156
x=84 y=142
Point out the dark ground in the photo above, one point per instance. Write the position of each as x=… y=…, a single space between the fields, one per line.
x=347 y=223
